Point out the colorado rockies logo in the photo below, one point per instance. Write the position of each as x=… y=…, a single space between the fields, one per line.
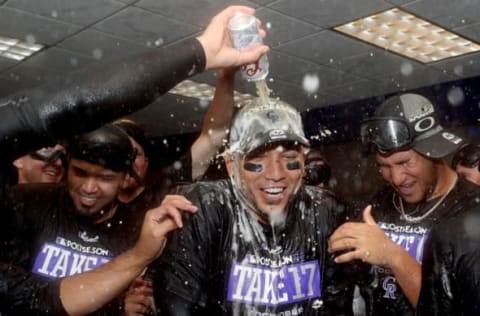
x=390 y=287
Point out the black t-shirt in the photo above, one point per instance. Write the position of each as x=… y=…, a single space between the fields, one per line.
x=383 y=295
x=451 y=267
x=19 y=290
x=62 y=243
x=224 y=261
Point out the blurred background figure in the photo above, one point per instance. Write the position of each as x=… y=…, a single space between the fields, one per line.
x=135 y=180
x=466 y=162
x=317 y=171
x=44 y=165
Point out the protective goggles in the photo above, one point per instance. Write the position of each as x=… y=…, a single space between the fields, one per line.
x=386 y=134
x=48 y=155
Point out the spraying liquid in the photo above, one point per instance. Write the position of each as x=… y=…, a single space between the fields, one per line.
x=262 y=91
x=276 y=220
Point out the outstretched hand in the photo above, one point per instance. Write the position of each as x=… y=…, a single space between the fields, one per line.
x=365 y=241
x=158 y=222
x=218 y=48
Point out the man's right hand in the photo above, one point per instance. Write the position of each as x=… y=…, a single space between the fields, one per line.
x=219 y=52
x=158 y=222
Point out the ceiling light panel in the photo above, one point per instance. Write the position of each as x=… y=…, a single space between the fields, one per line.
x=204 y=91
x=409 y=36
x=17 y=50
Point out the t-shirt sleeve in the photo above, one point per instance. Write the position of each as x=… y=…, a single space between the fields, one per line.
x=338 y=278
x=451 y=269
x=182 y=269
x=24 y=293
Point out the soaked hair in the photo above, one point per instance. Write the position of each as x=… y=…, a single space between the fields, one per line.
x=467 y=156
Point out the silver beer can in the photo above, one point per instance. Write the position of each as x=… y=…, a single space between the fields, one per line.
x=244 y=32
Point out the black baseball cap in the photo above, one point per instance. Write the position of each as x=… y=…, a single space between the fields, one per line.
x=409 y=121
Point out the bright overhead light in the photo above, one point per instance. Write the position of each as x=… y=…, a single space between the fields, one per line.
x=204 y=91
x=17 y=50
x=409 y=36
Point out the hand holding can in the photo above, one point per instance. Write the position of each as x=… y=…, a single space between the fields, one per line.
x=244 y=32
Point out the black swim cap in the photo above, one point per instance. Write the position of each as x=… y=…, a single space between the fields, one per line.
x=107 y=146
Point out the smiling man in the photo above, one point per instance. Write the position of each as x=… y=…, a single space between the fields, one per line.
x=76 y=227
x=258 y=244
x=42 y=166
x=423 y=190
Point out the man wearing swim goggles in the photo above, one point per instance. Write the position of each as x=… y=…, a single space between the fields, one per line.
x=410 y=147
x=44 y=165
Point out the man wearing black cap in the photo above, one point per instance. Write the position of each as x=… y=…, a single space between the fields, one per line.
x=257 y=245
x=73 y=228
x=423 y=190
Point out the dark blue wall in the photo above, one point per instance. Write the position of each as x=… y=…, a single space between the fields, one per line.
x=457 y=103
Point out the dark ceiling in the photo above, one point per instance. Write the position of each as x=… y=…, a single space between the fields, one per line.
x=80 y=33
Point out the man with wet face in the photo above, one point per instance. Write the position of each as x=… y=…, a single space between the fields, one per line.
x=423 y=190
x=258 y=244
x=77 y=227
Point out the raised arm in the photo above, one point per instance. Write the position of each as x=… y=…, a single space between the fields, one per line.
x=86 y=292
x=94 y=96
x=216 y=122
x=91 y=97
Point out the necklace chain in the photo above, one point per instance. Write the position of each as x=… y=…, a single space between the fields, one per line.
x=416 y=219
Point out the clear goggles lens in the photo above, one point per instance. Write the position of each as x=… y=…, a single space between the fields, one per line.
x=386 y=135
